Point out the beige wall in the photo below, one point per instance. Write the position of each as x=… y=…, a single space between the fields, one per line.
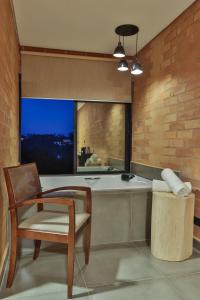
x=9 y=68
x=101 y=127
x=166 y=112
x=73 y=78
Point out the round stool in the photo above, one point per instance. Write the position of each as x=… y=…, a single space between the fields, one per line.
x=172 y=226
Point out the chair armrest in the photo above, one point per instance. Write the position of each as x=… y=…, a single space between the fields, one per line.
x=67 y=188
x=87 y=200
x=61 y=201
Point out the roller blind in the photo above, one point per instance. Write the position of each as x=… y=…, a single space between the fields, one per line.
x=73 y=78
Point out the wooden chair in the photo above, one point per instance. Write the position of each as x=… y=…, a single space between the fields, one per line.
x=24 y=189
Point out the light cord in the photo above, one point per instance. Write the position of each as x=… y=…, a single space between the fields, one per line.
x=136 y=47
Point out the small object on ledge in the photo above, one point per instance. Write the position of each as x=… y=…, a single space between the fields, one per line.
x=127 y=176
x=175 y=183
x=162 y=186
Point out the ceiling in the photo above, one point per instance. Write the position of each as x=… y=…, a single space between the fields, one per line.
x=88 y=25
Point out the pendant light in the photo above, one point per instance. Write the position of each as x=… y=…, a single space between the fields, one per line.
x=122 y=64
x=136 y=68
x=119 y=50
x=124 y=31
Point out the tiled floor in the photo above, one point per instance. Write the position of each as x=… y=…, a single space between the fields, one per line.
x=119 y=273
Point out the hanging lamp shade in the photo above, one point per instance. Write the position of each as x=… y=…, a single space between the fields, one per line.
x=119 y=51
x=122 y=65
x=136 y=68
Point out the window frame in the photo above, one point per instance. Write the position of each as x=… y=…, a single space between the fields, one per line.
x=127 y=143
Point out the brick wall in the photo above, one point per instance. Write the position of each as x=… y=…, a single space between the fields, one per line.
x=166 y=113
x=101 y=127
x=9 y=68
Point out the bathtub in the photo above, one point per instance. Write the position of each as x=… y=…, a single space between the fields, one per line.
x=121 y=211
x=98 y=183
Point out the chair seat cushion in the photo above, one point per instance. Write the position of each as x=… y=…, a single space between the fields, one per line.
x=53 y=221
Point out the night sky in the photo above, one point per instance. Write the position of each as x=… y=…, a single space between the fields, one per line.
x=41 y=116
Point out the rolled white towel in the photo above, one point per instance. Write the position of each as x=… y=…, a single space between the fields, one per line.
x=175 y=183
x=162 y=186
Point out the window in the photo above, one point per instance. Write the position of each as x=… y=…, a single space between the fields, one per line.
x=66 y=137
x=100 y=137
x=47 y=134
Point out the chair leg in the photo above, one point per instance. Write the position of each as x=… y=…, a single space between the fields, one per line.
x=86 y=241
x=70 y=268
x=37 y=249
x=13 y=257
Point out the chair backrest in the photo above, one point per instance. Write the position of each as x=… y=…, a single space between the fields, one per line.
x=22 y=182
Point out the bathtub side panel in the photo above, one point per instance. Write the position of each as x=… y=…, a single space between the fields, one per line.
x=140 y=214
x=111 y=218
